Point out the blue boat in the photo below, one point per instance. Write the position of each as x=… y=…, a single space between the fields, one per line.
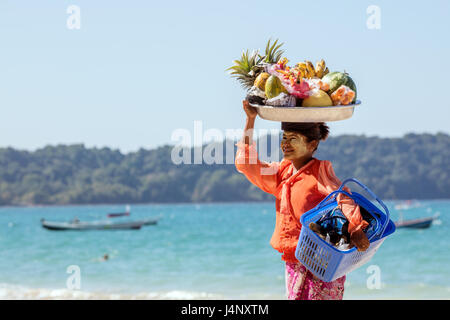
x=422 y=223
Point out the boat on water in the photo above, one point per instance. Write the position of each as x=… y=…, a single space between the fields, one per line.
x=119 y=214
x=422 y=223
x=97 y=225
x=76 y=224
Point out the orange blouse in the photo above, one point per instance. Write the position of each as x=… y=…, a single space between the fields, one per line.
x=295 y=192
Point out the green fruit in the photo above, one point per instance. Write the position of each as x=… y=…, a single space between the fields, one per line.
x=273 y=87
x=336 y=79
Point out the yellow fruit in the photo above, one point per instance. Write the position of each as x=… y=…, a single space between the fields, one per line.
x=320 y=68
x=260 y=81
x=303 y=72
x=317 y=99
x=301 y=65
x=310 y=68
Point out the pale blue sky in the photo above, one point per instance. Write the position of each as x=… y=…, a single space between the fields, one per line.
x=138 y=70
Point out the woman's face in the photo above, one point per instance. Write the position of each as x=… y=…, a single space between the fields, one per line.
x=295 y=146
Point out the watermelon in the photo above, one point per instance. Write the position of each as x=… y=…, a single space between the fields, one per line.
x=336 y=79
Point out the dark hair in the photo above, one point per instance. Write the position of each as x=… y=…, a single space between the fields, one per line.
x=312 y=131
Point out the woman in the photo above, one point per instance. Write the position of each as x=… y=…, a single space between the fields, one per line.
x=299 y=182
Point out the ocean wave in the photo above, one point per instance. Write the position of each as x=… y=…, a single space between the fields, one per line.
x=17 y=292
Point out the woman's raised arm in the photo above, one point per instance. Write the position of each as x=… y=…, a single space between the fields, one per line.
x=262 y=174
x=249 y=122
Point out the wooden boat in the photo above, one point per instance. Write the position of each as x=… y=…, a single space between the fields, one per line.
x=415 y=223
x=97 y=225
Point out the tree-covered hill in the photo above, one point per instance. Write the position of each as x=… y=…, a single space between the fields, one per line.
x=415 y=166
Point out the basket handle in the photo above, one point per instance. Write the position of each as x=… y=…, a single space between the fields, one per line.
x=325 y=201
x=386 y=211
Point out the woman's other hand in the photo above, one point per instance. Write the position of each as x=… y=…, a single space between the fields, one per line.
x=249 y=110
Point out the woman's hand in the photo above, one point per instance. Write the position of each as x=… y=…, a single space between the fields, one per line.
x=249 y=110
x=359 y=240
x=250 y=122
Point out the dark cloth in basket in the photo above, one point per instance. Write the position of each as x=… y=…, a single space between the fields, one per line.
x=336 y=225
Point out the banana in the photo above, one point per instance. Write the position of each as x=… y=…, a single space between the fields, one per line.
x=303 y=71
x=319 y=71
x=301 y=65
x=320 y=68
x=310 y=68
x=326 y=71
x=322 y=64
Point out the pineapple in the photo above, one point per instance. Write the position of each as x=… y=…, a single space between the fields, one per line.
x=246 y=69
x=273 y=52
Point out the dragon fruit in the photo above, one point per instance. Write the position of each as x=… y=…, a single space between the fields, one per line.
x=291 y=80
x=299 y=89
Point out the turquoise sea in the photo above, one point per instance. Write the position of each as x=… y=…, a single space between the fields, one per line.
x=200 y=251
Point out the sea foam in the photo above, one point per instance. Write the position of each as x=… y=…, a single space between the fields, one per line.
x=16 y=292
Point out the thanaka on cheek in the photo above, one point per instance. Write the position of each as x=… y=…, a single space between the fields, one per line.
x=294 y=147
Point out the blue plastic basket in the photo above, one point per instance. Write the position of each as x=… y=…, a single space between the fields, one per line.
x=324 y=260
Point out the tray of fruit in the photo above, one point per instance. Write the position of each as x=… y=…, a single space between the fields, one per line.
x=302 y=93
